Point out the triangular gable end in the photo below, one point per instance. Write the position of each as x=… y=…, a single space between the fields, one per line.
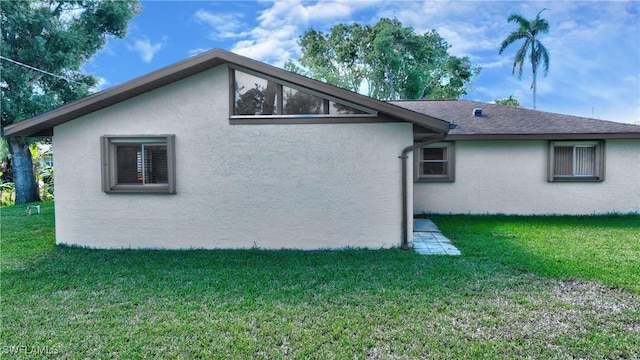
x=336 y=104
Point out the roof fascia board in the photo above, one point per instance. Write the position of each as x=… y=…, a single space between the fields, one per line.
x=569 y=136
x=118 y=93
x=196 y=64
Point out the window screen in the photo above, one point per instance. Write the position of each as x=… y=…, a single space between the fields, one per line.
x=435 y=162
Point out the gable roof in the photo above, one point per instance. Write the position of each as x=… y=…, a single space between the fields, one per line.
x=503 y=122
x=42 y=125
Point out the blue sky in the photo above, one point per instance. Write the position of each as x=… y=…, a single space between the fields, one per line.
x=594 y=45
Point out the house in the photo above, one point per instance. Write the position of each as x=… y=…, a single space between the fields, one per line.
x=509 y=160
x=221 y=151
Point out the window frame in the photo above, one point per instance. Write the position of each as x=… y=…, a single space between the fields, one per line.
x=599 y=161
x=450 y=161
x=109 y=144
x=366 y=116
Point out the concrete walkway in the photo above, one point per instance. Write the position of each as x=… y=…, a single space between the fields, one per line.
x=428 y=239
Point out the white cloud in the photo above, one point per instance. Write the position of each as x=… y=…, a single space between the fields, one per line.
x=295 y=12
x=275 y=38
x=594 y=48
x=145 y=48
x=496 y=62
x=274 y=46
x=223 y=25
x=100 y=85
x=465 y=39
x=194 y=52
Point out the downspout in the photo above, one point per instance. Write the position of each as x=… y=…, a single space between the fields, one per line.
x=405 y=221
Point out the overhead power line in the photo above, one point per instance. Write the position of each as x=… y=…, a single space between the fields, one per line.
x=36 y=69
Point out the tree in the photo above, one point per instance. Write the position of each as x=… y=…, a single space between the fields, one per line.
x=531 y=47
x=250 y=102
x=388 y=60
x=298 y=102
x=43 y=46
x=510 y=101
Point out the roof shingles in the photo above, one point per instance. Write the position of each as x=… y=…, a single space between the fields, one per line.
x=503 y=121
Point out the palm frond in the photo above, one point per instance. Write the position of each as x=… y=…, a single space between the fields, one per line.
x=513 y=37
x=542 y=53
x=540 y=12
x=520 y=20
x=519 y=58
x=540 y=26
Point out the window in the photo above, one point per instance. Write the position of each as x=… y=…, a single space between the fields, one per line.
x=255 y=96
x=138 y=164
x=435 y=162
x=576 y=161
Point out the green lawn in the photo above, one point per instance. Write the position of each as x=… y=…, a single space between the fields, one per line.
x=525 y=287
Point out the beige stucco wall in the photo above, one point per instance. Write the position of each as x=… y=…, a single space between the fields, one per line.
x=510 y=177
x=238 y=186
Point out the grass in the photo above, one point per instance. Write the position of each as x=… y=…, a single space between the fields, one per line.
x=601 y=248
x=524 y=288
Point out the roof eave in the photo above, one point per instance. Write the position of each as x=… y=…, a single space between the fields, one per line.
x=44 y=123
x=552 y=136
x=140 y=85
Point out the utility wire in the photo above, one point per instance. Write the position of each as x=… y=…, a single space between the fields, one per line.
x=36 y=69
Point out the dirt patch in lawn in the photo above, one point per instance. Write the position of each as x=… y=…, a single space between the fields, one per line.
x=561 y=310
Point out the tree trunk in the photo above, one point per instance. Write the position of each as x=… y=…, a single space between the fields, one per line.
x=534 y=88
x=23 y=176
x=534 y=66
x=269 y=106
x=389 y=78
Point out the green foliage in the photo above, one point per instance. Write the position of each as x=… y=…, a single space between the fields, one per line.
x=43 y=172
x=600 y=248
x=510 y=101
x=56 y=37
x=4 y=149
x=506 y=297
x=7 y=193
x=389 y=60
x=41 y=169
x=531 y=48
x=250 y=102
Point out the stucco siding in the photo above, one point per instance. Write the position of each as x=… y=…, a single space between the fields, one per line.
x=238 y=186
x=510 y=177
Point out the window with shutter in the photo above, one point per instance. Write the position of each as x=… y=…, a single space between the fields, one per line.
x=138 y=164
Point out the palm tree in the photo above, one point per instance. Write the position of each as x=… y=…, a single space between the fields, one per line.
x=532 y=47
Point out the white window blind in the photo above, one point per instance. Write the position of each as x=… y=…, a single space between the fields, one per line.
x=577 y=161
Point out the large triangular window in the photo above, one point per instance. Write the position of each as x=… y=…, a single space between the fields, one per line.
x=260 y=96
